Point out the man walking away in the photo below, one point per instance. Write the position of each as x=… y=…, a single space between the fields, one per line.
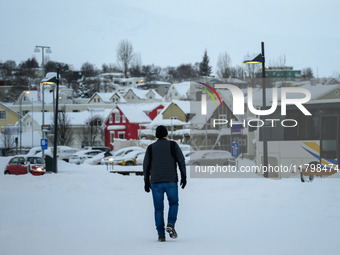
x=160 y=174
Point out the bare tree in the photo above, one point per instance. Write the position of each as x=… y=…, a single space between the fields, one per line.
x=125 y=55
x=7 y=140
x=91 y=131
x=64 y=130
x=65 y=134
x=223 y=65
x=136 y=66
x=88 y=69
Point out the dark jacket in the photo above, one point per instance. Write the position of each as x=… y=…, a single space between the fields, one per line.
x=161 y=165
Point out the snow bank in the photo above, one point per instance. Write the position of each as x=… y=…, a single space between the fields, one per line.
x=86 y=210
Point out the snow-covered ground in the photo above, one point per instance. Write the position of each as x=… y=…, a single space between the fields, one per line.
x=87 y=210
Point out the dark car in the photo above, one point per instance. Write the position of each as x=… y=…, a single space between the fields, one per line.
x=24 y=164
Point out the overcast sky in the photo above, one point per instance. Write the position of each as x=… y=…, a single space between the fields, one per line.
x=169 y=33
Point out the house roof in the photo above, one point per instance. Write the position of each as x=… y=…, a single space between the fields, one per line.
x=9 y=109
x=136 y=113
x=104 y=96
x=75 y=118
x=182 y=88
x=142 y=94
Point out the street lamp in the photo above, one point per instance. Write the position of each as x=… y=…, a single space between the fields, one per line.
x=261 y=59
x=54 y=80
x=20 y=123
x=44 y=49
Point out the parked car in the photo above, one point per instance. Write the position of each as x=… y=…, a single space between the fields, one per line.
x=128 y=159
x=107 y=160
x=211 y=157
x=127 y=156
x=37 y=165
x=99 y=158
x=64 y=152
x=79 y=157
x=24 y=164
x=101 y=148
x=140 y=158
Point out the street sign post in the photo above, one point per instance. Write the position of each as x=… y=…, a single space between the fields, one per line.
x=45 y=128
x=44 y=144
x=234 y=149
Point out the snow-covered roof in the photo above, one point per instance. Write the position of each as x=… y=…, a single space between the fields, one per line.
x=184 y=105
x=104 y=96
x=33 y=96
x=142 y=94
x=9 y=109
x=75 y=118
x=182 y=88
x=112 y=74
x=136 y=113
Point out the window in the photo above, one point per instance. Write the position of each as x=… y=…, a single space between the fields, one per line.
x=14 y=161
x=95 y=100
x=3 y=115
x=96 y=122
x=117 y=117
x=121 y=135
x=110 y=119
x=123 y=119
x=98 y=100
x=112 y=137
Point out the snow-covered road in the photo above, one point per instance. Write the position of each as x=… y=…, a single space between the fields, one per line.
x=86 y=210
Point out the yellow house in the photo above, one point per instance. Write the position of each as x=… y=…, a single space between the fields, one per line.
x=177 y=110
x=8 y=116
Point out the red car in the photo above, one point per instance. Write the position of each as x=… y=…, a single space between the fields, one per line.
x=24 y=164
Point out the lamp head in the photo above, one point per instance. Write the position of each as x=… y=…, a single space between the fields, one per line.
x=257 y=60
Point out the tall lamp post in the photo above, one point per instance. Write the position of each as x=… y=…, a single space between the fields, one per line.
x=44 y=49
x=54 y=80
x=261 y=59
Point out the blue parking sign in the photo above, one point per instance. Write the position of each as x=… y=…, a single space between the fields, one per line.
x=234 y=150
x=44 y=144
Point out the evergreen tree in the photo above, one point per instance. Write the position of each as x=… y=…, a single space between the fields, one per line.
x=205 y=69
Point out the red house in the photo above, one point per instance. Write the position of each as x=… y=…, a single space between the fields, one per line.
x=124 y=120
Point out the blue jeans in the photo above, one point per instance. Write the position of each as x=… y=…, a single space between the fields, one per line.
x=171 y=190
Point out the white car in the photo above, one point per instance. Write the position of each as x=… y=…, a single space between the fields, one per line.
x=140 y=158
x=99 y=158
x=127 y=156
x=79 y=157
x=64 y=152
x=211 y=157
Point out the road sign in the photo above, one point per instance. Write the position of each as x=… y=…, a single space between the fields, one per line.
x=236 y=128
x=234 y=150
x=45 y=128
x=44 y=144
